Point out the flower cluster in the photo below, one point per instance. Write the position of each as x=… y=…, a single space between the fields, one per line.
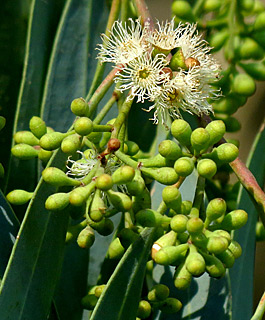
x=169 y=66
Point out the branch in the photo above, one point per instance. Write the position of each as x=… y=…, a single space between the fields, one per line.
x=144 y=13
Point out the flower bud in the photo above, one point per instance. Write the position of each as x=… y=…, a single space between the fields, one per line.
x=227 y=105
x=52 y=141
x=169 y=149
x=98 y=207
x=137 y=185
x=144 y=309
x=151 y=218
x=123 y=175
x=58 y=178
x=234 y=220
x=216 y=130
x=104 y=227
x=74 y=230
x=217 y=245
x=222 y=233
x=185 y=207
x=141 y=201
x=57 y=201
x=114 y=145
x=199 y=240
x=170 y=305
x=168 y=255
x=37 y=127
x=184 y=166
x=181 y=131
x=178 y=61
x=216 y=208
x=94 y=137
x=178 y=223
x=212 y=5
x=200 y=139
x=250 y=49
x=226 y=152
x=206 y=168
x=194 y=225
x=167 y=239
x=89 y=302
x=71 y=144
x=218 y=39
x=132 y=148
x=214 y=266
x=26 y=137
x=227 y=258
x=2 y=122
x=79 y=107
x=260 y=231
x=182 y=277
x=256 y=70
x=127 y=237
x=78 y=196
x=195 y=264
x=235 y=248
x=158 y=293
x=115 y=250
x=165 y=175
x=259 y=23
x=86 y=238
x=44 y=155
x=83 y=126
x=19 y=197
x=24 y=151
x=99 y=290
x=119 y=200
x=246 y=5
x=182 y=9
x=244 y=85
x=104 y=182
x=172 y=197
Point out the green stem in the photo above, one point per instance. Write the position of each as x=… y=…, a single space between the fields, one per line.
x=124 y=9
x=143 y=12
x=258 y=315
x=199 y=194
x=101 y=115
x=102 y=128
x=162 y=207
x=197 y=9
x=126 y=159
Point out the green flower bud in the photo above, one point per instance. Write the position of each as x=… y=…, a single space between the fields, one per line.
x=185 y=207
x=98 y=207
x=71 y=144
x=244 y=85
x=2 y=171
x=227 y=258
x=123 y=175
x=222 y=233
x=184 y=166
x=144 y=309
x=168 y=255
x=218 y=39
x=99 y=290
x=79 y=195
x=182 y=9
x=58 y=178
x=44 y=155
x=74 y=230
x=168 y=239
x=214 y=266
x=259 y=23
x=24 y=151
x=216 y=208
x=119 y=200
x=216 y=130
x=141 y=201
x=178 y=61
x=86 y=238
x=79 y=107
x=256 y=70
x=212 y=5
x=52 y=141
x=217 y=245
x=260 y=231
x=250 y=49
x=83 y=126
x=178 y=223
x=172 y=197
x=234 y=220
x=19 y=197
x=127 y=237
x=151 y=218
x=158 y=293
x=227 y=105
x=89 y=301
x=195 y=264
x=104 y=227
x=76 y=213
x=258 y=7
x=37 y=127
x=170 y=305
x=156 y=161
x=26 y=137
x=247 y=5
x=206 y=168
x=137 y=185
x=235 y=248
x=2 y=122
x=181 y=131
x=115 y=250
x=194 y=225
x=226 y=152
x=104 y=182
x=232 y=124
x=166 y=175
x=200 y=139
x=199 y=240
x=132 y=148
x=182 y=277
x=57 y=201
x=169 y=149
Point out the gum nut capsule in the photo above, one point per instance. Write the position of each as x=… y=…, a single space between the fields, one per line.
x=57 y=201
x=51 y=141
x=99 y=290
x=195 y=264
x=169 y=149
x=234 y=220
x=200 y=139
x=94 y=137
x=58 y=178
x=83 y=126
x=178 y=223
x=227 y=152
x=37 y=127
x=172 y=197
x=177 y=61
x=26 y=137
x=119 y=200
x=168 y=255
x=123 y=175
x=98 y=207
x=182 y=277
x=158 y=293
x=194 y=225
x=132 y=148
x=19 y=197
x=235 y=248
x=2 y=122
x=24 y=151
x=79 y=107
x=151 y=218
x=206 y=168
x=71 y=144
x=216 y=208
x=137 y=185
x=181 y=131
x=166 y=175
x=216 y=130
x=217 y=245
x=227 y=258
x=104 y=182
x=86 y=238
x=44 y=155
x=214 y=266
x=144 y=309
x=115 y=250
x=184 y=166
x=244 y=85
